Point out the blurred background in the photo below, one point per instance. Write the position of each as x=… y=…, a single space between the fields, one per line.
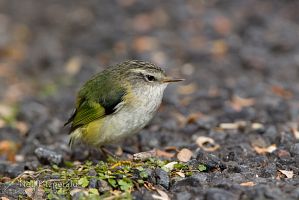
x=240 y=59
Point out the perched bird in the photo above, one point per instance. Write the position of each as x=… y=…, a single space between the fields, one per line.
x=117 y=103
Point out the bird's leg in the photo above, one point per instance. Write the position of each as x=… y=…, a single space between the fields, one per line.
x=107 y=153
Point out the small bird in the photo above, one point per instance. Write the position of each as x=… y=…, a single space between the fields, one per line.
x=117 y=103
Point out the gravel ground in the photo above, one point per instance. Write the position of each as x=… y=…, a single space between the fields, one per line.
x=237 y=111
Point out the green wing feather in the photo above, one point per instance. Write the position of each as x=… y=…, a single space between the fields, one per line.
x=86 y=113
x=97 y=98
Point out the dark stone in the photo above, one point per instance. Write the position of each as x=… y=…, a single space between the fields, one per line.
x=262 y=192
x=3 y=167
x=46 y=156
x=268 y=171
x=15 y=170
x=142 y=194
x=296 y=159
x=10 y=170
x=229 y=156
x=12 y=190
x=103 y=186
x=233 y=167
x=193 y=163
x=294 y=149
x=271 y=134
x=92 y=172
x=93 y=183
x=183 y=195
x=33 y=165
x=210 y=160
x=81 y=154
x=195 y=180
x=79 y=196
x=219 y=194
x=162 y=177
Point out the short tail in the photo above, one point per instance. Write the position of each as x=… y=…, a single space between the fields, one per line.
x=75 y=136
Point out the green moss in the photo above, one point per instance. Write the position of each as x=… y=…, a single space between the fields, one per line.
x=122 y=176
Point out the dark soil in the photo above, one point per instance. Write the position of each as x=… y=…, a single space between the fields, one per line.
x=240 y=60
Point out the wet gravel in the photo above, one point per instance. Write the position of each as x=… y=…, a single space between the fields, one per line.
x=240 y=60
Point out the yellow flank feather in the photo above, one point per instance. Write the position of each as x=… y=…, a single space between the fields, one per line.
x=88 y=133
x=93 y=131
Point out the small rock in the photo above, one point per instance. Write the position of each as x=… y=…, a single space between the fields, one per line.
x=219 y=194
x=183 y=195
x=294 y=149
x=271 y=133
x=283 y=153
x=210 y=160
x=162 y=177
x=263 y=192
x=32 y=165
x=15 y=170
x=10 y=170
x=268 y=171
x=93 y=183
x=103 y=186
x=195 y=180
x=92 y=172
x=47 y=156
x=142 y=194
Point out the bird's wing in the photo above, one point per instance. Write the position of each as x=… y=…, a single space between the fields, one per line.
x=93 y=108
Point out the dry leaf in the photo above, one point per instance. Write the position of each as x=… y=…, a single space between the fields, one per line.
x=219 y=48
x=73 y=65
x=238 y=103
x=8 y=149
x=222 y=25
x=165 y=154
x=228 y=126
x=37 y=193
x=181 y=174
x=184 y=155
x=282 y=92
x=207 y=144
x=171 y=148
x=187 y=89
x=5 y=179
x=288 y=174
x=162 y=195
x=6 y=110
x=22 y=127
x=144 y=155
x=257 y=126
x=119 y=151
x=169 y=166
x=193 y=117
x=263 y=150
x=4 y=198
x=248 y=184
x=142 y=22
x=144 y=43
x=294 y=129
x=181 y=119
x=2 y=123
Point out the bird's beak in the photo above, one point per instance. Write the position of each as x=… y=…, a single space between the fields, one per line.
x=171 y=80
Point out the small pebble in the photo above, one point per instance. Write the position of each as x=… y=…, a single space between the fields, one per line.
x=46 y=156
x=162 y=177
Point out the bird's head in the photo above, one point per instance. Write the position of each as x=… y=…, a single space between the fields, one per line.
x=140 y=73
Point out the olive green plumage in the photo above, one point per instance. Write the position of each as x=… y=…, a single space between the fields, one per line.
x=106 y=103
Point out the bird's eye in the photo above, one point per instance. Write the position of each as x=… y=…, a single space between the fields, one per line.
x=149 y=78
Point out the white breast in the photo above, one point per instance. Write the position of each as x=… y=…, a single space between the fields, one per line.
x=133 y=117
